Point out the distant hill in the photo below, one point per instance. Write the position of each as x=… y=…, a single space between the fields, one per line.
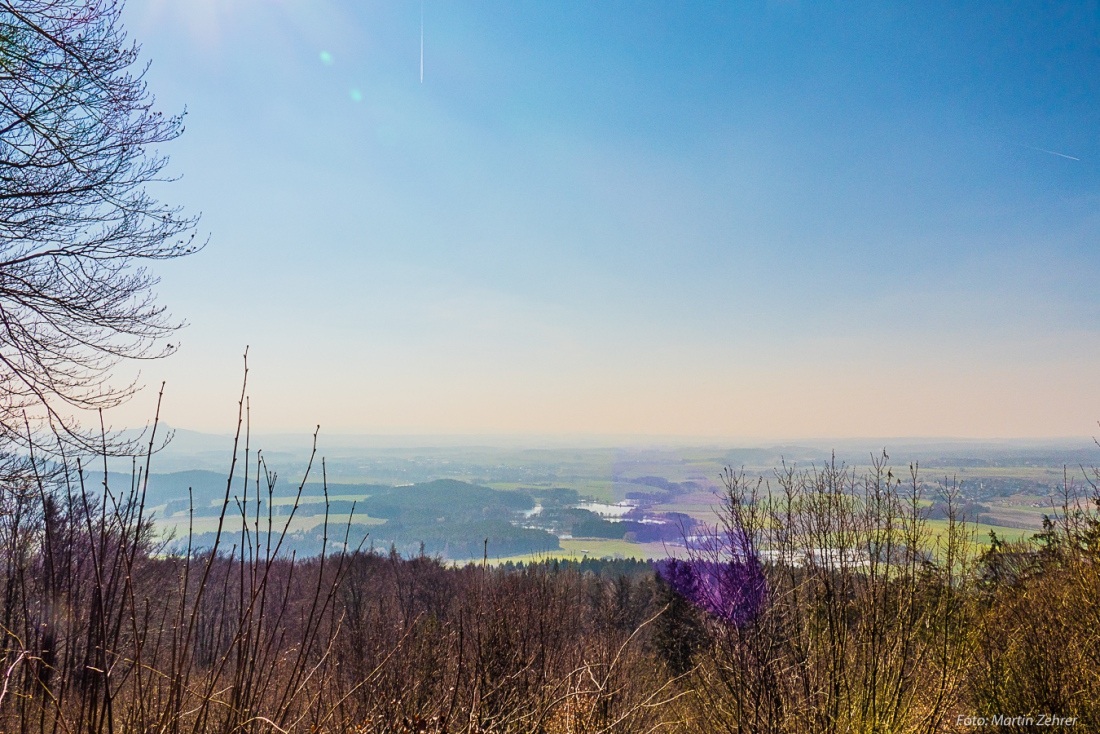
x=446 y=516
x=446 y=498
x=207 y=489
x=207 y=486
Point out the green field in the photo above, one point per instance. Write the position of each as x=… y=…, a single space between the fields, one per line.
x=598 y=548
x=336 y=523
x=980 y=531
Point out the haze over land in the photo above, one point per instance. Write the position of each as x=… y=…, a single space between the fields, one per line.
x=507 y=497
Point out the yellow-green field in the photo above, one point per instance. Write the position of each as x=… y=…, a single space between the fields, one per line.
x=981 y=531
x=313 y=499
x=179 y=524
x=576 y=550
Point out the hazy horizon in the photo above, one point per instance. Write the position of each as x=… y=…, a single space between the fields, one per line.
x=340 y=440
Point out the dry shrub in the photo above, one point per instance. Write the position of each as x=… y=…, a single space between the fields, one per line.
x=1038 y=639
x=832 y=606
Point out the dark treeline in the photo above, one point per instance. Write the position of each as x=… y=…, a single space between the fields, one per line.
x=824 y=603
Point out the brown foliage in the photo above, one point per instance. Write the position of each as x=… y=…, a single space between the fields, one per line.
x=868 y=622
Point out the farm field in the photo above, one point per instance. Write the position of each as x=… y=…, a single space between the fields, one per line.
x=1007 y=489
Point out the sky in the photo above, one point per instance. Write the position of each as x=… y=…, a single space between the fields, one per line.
x=727 y=219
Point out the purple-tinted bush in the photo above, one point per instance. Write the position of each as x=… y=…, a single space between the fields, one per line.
x=734 y=591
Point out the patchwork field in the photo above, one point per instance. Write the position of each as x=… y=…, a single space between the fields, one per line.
x=632 y=502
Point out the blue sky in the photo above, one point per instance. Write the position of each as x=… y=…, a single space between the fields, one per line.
x=766 y=219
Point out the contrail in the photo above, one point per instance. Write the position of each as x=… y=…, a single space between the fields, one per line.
x=421 y=41
x=1052 y=152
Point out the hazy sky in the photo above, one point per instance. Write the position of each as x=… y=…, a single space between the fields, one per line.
x=750 y=219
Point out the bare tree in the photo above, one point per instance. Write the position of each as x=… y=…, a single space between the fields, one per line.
x=78 y=224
